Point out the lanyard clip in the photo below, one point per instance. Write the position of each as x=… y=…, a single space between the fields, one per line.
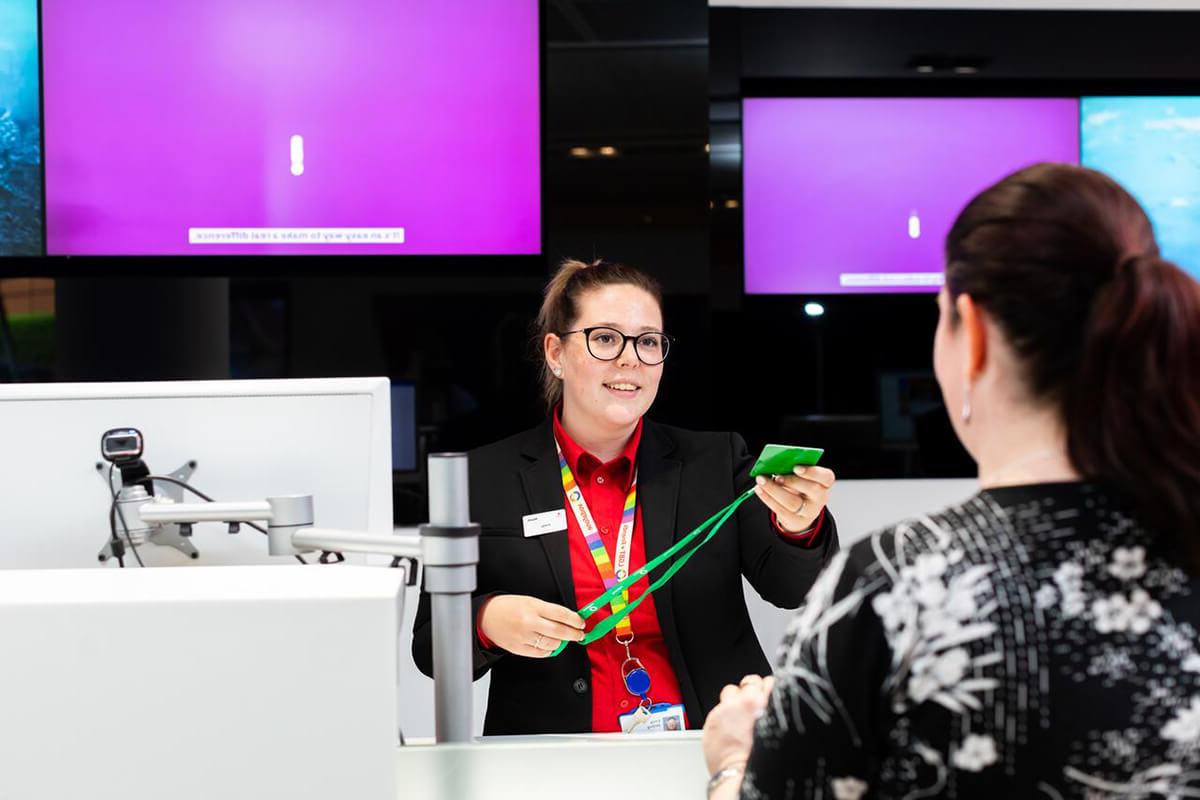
x=625 y=643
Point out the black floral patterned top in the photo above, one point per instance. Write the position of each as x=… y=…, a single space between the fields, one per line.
x=1032 y=642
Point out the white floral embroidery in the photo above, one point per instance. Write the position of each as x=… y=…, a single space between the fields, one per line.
x=891 y=609
x=1121 y=747
x=1164 y=780
x=1046 y=597
x=1111 y=663
x=976 y=753
x=849 y=788
x=1177 y=640
x=1128 y=563
x=922 y=597
x=1030 y=593
x=820 y=598
x=1185 y=726
x=800 y=668
x=1068 y=572
x=933 y=673
x=1116 y=614
x=1069 y=579
x=929 y=617
x=928 y=568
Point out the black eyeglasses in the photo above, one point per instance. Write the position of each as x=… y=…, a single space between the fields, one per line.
x=607 y=344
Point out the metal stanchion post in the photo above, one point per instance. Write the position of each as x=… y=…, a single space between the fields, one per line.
x=450 y=551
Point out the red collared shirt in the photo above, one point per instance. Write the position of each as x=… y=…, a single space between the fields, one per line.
x=808 y=538
x=604 y=487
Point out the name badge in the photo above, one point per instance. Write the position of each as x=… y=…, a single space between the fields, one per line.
x=658 y=718
x=546 y=522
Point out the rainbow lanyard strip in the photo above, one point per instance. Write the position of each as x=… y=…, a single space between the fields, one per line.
x=591 y=535
x=708 y=529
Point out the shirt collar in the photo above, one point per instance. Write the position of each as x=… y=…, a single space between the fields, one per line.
x=583 y=464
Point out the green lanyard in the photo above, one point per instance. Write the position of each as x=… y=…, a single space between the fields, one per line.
x=712 y=525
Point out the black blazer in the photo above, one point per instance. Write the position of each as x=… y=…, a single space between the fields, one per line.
x=683 y=478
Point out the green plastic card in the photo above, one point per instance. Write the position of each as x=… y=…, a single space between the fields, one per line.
x=780 y=459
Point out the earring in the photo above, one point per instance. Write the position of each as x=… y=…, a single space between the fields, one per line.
x=557 y=372
x=966 y=406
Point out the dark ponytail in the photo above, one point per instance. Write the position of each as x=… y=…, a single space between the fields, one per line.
x=1133 y=406
x=1065 y=261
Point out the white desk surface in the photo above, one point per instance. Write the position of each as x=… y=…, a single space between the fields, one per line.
x=661 y=766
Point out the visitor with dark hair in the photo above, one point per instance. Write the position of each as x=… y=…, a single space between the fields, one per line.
x=1040 y=639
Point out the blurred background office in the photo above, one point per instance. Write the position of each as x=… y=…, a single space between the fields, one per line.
x=786 y=171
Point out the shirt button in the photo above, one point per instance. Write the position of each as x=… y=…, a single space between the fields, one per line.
x=624 y=704
x=600 y=479
x=604 y=529
x=580 y=686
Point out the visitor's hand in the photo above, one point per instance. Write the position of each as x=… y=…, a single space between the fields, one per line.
x=729 y=728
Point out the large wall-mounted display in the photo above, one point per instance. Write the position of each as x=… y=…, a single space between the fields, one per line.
x=20 y=131
x=1152 y=146
x=292 y=127
x=856 y=195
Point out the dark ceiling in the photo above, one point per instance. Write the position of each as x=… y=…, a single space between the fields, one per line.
x=589 y=21
x=632 y=76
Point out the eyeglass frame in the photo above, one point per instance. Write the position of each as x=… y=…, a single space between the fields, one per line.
x=626 y=339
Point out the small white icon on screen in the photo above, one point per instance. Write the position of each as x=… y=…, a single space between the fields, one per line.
x=297 y=155
x=914 y=225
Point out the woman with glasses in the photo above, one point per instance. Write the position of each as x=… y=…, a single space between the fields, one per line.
x=596 y=492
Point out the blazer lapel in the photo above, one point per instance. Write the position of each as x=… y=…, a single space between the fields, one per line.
x=543 y=492
x=658 y=493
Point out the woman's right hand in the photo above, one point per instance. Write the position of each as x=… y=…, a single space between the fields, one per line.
x=528 y=626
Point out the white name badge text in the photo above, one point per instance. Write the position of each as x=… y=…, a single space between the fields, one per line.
x=546 y=522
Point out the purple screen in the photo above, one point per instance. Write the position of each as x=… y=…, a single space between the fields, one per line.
x=291 y=126
x=857 y=195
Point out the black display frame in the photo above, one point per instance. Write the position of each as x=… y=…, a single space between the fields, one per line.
x=931 y=35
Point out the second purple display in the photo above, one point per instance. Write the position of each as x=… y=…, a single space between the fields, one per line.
x=856 y=195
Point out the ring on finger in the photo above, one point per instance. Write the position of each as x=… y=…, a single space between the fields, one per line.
x=803 y=505
x=537 y=643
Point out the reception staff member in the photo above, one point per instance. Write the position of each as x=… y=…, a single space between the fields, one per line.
x=594 y=493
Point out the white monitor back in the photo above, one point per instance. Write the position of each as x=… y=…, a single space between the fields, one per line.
x=250 y=439
x=233 y=682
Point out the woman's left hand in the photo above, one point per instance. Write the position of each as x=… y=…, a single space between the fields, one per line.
x=729 y=727
x=797 y=499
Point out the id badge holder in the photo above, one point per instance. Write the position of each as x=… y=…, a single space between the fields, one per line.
x=635 y=721
x=657 y=718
